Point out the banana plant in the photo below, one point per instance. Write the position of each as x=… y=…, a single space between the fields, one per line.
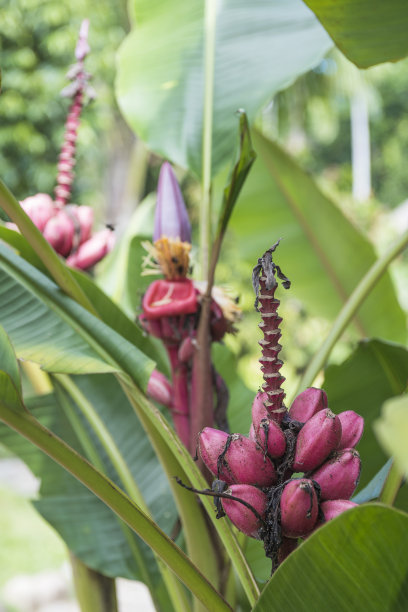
x=127 y=423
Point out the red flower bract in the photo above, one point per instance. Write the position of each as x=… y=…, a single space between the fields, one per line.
x=166 y=298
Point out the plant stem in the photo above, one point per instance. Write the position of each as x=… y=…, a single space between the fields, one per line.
x=94 y=591
x=350 y=308
x=93 y=456
x=119 y=463
x=168 y=446
x=181 y=397
x=197 y=534
x=205 y=209
x=44 y=250
x=90 y=586
x=115 y=499
x=391 y=486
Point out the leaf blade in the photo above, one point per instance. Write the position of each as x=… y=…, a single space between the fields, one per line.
x=368 y=32
x=357 y=557
x=168 y=78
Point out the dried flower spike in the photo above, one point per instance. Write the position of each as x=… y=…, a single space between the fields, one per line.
x=265 y=283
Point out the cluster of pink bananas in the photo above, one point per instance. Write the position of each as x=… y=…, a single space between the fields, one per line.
x=68 y=227
x=68 y=230
x=259 y=468
x=297 y=468
x=171 y=308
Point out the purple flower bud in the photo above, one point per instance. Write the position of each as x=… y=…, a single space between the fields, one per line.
x=171 y=218
x=334 y=507
x=242 y=517
x=352 y=426
x=307 y=403
x=235 y=459
x=338 y=477
x=316 y=440
x=299 y=508
x=266 y=431
x=93 y=250
x=159 y=388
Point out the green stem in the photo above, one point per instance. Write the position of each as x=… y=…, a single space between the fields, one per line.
x=44 y=250
x=349 y=310
x=180 y=603
x=391 y=486
x=93 y=590
x=93 y=456
x=209 y=60
x=168 y=446
x=115 y=499
x=91 y=587
x=198 y=538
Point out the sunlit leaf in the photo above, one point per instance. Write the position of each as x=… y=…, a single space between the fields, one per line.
x=260 y=48
x=55 y=331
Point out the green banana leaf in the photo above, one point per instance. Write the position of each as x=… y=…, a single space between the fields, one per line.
x=358 y=561
x=322 y=252
x=375 y=372
x=89 y=528
x=44 y=330
x=368 y=32
x=260 y=48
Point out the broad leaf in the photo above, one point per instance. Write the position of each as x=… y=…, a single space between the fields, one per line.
x=321 y=252
x=357 y=561
x=392 y=430
x=368 y=32
x=260 y=48
x=8 y=360
x=375 y=372
x=135 y=367
x=89 y=527
x=55 y=331
x=106 y=308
